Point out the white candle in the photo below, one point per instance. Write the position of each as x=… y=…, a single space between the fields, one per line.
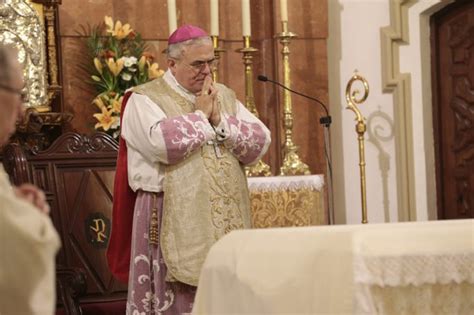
x=214 y=18
x=245 y=17
x=284 y=10
x=172 y=15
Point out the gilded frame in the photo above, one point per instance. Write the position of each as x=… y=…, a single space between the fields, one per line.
x=22 y=26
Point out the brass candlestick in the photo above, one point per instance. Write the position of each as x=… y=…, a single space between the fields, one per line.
x=292 y=164
x=259 y=169
x=217 y=51
x=351 y=98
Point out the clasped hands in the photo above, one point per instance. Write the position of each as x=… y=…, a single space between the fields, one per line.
x=206 y=101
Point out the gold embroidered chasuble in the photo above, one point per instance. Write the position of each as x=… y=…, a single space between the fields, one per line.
x=205 y=195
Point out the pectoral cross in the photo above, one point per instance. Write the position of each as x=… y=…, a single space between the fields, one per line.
x=217 y=150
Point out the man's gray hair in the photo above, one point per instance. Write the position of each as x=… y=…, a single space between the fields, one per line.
x=175 y=51
x=7 y=57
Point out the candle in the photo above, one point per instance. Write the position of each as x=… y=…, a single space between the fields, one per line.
x=214 y=17
x=245 y=17
x=284 y=10
x=172 y=15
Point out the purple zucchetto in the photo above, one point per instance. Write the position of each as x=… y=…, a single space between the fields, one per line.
x=186 y=32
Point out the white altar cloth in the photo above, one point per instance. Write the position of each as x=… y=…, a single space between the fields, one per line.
x=425 y=267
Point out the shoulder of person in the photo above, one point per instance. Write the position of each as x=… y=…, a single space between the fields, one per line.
x=143 y=88
x=19 y=215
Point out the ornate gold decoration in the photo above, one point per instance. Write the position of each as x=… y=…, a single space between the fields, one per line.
x=286 y=207
x=292 y=164
x=261 y=168
x=53 y=66
x=97 y=230
x=227 y=212
x=34 y=120
x=218 y=187
x=25 y=25
x=352 y=100
x=22 y=27
x=217 y=54
x=153 y=235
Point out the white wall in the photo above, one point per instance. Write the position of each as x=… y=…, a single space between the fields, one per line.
x=354 y=43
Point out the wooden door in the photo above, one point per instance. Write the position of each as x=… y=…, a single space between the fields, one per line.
x=452 y=37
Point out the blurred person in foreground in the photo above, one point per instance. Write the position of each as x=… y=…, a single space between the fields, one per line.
x=28 y=240
x=180 y=176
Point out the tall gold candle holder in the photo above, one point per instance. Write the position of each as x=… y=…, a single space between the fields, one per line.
x=352 y=100
x=259 y=169
x=292 y=164
x=217 y=54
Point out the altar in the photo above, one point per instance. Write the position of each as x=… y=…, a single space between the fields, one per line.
x=392 y=268
x=283 y=201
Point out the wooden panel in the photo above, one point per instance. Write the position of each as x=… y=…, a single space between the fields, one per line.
x=87 y=230
x=453 y=47
x=77 y=175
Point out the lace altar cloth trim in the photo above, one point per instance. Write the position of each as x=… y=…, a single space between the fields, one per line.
x=414 y=270
x=425 y=299
x=314 y=182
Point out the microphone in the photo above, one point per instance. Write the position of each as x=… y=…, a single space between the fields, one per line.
x=325 y=120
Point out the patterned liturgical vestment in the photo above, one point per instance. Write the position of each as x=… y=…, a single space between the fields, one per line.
x=205 y=195
x=185 y=175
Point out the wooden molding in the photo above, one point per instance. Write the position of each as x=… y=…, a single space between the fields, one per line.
x=399 y=84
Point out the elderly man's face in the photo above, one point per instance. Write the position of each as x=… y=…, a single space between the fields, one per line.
x=194 y=66
x=11 y=104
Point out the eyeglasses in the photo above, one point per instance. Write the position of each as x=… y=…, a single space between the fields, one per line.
x=200 y=65
x=23 y=95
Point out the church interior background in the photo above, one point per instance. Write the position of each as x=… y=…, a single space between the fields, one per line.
x=417 y=57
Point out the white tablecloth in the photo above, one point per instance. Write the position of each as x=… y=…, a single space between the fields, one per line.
x=399 y=268
x=270 y=183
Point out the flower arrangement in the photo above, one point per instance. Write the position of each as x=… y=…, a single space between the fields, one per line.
x=119 y=62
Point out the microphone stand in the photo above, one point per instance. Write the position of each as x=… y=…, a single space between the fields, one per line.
x=326 y=122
